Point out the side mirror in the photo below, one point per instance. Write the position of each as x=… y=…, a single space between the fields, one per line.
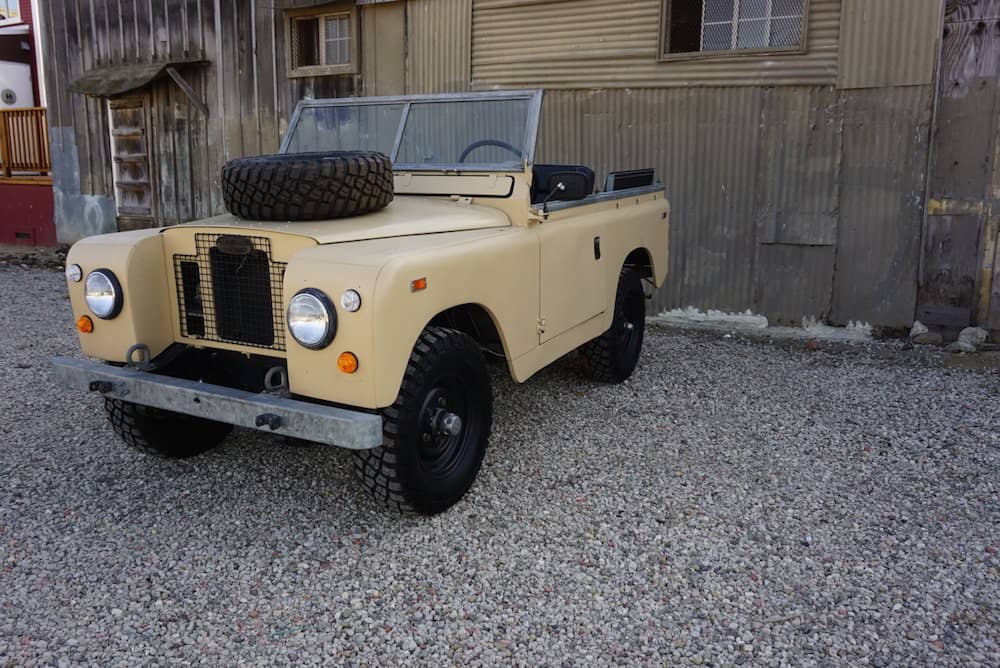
x=574 y=186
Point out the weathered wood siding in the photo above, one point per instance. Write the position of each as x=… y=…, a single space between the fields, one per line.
x=244 y=84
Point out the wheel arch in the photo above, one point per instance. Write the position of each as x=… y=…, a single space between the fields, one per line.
x=479 y=322
x=641 y=260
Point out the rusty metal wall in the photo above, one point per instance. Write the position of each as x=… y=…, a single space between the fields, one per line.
x=884 y=178
x=889 y=42
x=596 y=44
x=438 y=45
x=789 y=201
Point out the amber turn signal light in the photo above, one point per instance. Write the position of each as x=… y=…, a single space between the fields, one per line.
x=418 y=284
x=347 y=362
x=84 y=324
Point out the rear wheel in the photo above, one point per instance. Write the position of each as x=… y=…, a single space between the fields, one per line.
x=435 y=433
x=163 y=433
x=612 y=357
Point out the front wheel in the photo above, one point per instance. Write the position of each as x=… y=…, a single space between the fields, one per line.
x=436 y=431
x=612 y=356
x=163 y=433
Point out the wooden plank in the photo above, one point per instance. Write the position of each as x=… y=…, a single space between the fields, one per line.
x=951 y=254
x=176 y=26
x=5 y=157
x=267 y=85
x=971 y=10
x=994 y=316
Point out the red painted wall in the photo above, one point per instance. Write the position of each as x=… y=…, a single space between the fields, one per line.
x=26 y=215
x=25 y=6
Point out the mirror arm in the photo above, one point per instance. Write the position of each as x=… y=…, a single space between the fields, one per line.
x=545 y=202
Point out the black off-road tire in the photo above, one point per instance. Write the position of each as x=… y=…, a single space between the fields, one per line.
x=163 y=433
x=612 y=356
x=408 y=472
x=307 y=186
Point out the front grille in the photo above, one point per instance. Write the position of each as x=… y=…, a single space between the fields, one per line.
x=230 y=291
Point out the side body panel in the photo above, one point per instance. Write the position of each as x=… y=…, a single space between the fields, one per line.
x=573 y=272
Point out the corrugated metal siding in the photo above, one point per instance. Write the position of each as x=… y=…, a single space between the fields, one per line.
x=886 y=134
x=704 y=144
x=597 y=44
x=889 y=42
x=759 y=205
x=439 y=44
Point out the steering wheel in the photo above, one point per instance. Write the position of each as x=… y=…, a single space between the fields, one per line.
x=488 y=142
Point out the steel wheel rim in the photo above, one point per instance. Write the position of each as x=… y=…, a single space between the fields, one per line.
x=441 y=454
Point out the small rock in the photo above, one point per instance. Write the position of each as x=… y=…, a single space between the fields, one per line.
x=961 y=347
x=974 y=335
x=807 y=540
x=928 y=339
x=812 y=345
x=918 y=329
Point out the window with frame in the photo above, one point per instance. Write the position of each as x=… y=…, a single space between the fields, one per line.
x=721 y=26
x=321 y=42
x=10 y=11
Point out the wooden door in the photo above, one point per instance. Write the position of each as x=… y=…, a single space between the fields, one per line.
x=132 y=162
x=959 y=285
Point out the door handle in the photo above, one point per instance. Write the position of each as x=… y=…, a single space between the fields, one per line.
x=597 y=248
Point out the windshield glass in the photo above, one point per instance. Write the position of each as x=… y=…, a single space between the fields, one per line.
x=484 y=131
x=370 y=127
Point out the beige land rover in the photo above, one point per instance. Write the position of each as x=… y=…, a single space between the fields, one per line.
x=363 y=276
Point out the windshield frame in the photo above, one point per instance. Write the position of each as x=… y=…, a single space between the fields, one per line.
x=534 y=98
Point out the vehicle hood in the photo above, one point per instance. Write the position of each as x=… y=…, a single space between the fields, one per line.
x=405 y=216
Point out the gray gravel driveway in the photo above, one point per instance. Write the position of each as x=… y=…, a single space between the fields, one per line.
x=736 y=502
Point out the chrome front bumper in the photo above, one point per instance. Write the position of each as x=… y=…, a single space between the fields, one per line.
x=355 y=430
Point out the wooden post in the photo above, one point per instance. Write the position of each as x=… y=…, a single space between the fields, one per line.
x=4 y=145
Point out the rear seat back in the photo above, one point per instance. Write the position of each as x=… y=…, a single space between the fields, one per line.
x=545 y=178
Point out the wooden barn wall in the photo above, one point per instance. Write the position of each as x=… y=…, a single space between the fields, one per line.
x=244 y=85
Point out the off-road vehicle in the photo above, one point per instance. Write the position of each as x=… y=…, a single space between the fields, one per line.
x=363 y=275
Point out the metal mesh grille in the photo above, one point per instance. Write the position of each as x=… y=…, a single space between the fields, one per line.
x=231 y=292
x=750 y=24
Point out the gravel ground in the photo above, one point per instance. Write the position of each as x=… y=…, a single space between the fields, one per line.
x=736 y=501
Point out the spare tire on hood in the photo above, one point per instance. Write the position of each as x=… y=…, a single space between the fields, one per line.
x=307 y=186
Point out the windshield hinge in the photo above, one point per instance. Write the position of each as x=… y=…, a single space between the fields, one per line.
x=541 y=325
x=461 y=200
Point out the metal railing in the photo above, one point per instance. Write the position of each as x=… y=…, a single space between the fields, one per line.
x=24 y=142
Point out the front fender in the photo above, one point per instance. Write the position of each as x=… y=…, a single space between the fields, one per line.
x=498 y=272
x=136 y=258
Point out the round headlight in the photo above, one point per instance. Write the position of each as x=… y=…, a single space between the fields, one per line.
x=350 y=300
x=103 y=293
x=312 y=320
x=73 y=273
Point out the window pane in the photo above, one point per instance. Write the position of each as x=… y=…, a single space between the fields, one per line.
x=685 y=25
x=306 y=44
x=786 y=32
x=718 y=10
x=346 y=128
x=753 y=9
x=752 y=34
x=441 y=132
x=786 y=8
x=338 y=40
x=717 y=37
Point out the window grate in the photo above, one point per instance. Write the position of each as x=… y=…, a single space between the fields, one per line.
x=715 y=26
x=231 y=291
